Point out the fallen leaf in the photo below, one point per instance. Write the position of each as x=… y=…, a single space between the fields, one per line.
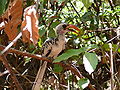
x=12 y=18
x=29 y=25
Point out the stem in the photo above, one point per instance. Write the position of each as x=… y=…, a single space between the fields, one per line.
x=74 y=8
x=11 y=44
x=112 y=67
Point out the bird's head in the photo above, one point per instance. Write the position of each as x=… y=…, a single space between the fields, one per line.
x=63 y=28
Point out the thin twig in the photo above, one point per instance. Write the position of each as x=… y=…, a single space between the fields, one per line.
x=3 y=73
x=112 y=39
x=9 y=68
x=74 y=8
x=111 y=67
x=11 y=44
x=112 y=8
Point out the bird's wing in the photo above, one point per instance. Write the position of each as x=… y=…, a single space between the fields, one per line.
x=47 y=47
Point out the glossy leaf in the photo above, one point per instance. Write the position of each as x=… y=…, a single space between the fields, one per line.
x=83 y=83
x=69 y=54
x=90 y=62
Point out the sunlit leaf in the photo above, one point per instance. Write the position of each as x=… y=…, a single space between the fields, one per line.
x=119 y=50
x=42 y=30
x=40 y=43
x=52 y=18
x=90 y=62
x=106 y=47
x=87 y=3
x=83 y=83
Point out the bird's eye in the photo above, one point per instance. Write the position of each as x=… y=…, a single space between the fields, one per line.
x=64 y=26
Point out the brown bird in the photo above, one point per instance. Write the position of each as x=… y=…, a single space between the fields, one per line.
x=52 y=48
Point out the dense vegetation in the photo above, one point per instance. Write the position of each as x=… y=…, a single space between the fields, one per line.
x=94 y=53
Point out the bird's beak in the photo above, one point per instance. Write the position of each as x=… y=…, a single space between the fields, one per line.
x=72 y=28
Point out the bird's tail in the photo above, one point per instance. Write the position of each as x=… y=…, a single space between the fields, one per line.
x=39 y=77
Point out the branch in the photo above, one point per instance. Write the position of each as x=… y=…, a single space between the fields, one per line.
x=67 y=67
x=11 y=50
x=11 y=44
x=74 y=8
x=3 y=73
x=111 y=67
x=9 y=68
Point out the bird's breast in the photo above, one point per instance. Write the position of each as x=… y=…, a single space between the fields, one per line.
x=57 y=48
x=52 y=48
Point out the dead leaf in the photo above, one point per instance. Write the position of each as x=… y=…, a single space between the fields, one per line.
x=12 y=18
x=29 y=25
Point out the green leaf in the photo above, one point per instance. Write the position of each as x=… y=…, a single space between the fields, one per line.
x=40 y=43
x=2 y=6
x=87 y=3
x=51 y=33
x=83 y=83
x=106 y=47
x=88 y=16
x=118 y=50
x=42 y=30
x=90 y=62
x=57 y=68
x=61 y=0
x=55 y=23
x=70 y=53
x=52 y=18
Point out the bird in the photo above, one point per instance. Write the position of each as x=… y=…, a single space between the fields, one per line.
x=52 y=48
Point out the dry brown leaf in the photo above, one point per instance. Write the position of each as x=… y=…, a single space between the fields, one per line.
x=12 y=18
x=29 y=25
